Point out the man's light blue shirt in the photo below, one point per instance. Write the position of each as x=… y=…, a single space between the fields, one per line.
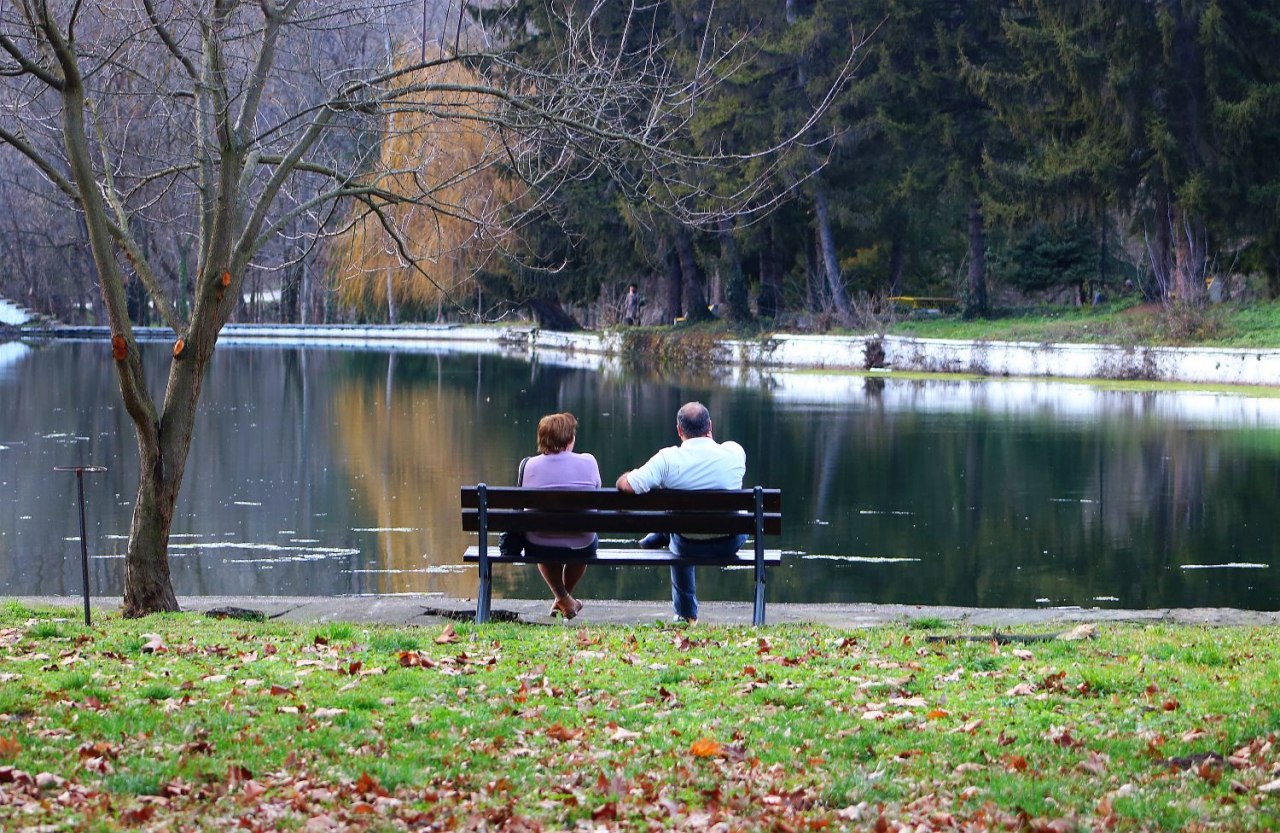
x=697 y=463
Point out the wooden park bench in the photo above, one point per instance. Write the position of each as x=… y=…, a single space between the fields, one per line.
x=755 y=512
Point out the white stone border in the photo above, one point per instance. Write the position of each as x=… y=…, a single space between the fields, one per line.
x=1200 y=365
x=1189 y=365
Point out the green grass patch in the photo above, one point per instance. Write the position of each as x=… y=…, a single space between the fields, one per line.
x=47 y=630
x=1124 y=322
x=223 y=724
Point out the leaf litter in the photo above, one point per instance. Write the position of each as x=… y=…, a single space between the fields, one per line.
x=184 y=723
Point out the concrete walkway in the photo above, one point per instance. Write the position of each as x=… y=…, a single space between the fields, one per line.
x=434 y=610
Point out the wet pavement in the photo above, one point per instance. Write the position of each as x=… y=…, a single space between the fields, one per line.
x=435 y=609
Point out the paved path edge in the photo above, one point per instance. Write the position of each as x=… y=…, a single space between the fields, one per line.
x=432 y=609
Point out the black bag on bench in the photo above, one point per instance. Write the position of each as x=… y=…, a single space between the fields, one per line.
x=511 y=544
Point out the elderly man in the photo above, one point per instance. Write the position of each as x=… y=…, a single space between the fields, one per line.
x=699 y=462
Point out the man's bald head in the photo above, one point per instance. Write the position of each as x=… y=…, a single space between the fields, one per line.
x=693 y=420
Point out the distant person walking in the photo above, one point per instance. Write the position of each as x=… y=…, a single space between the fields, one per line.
x=631 y=304
x=699 y=462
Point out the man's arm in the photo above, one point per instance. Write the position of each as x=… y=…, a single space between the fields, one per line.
x=649 y=476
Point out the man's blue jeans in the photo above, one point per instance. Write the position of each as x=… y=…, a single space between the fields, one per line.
x=684 y=595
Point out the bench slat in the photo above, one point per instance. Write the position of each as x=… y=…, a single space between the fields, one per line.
x=515 y=520
x=744 y=558
x=662 y=500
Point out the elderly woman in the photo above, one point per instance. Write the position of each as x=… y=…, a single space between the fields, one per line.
x=558 y=467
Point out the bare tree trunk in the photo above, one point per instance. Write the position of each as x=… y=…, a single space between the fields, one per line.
x=391 y=300
x=1189 y=258
x=695 y=292
x=737 y=304
x=674 y=286
x=1161 y=251
x=290 y=289
x=826 y=240
x=827 y=247
x=977 y=305
x=304 y=311
x=148 y=587
x=1189 y=234
x=1102 y=246
x=551 y=315
x=897 y=259
x=769 y=303
x=813 y=294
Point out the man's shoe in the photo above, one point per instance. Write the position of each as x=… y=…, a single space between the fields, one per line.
x=681 y=620
x=655 y=541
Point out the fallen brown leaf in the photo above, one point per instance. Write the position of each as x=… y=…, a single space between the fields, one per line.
x=561 y=732
x=1088 y=630
x=447 y=635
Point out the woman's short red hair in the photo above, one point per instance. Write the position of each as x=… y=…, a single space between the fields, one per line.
x=555 y=432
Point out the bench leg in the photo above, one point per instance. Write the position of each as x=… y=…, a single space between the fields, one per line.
x=757 y=616
x=483 y=595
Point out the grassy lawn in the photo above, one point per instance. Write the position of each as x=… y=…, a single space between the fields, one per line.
x=181 y=722
x=1121 y=322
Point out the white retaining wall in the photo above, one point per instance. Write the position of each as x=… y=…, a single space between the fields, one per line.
x=1204 y=365
x=1199 y=365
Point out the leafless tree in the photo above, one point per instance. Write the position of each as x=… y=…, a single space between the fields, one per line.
x=194 y=135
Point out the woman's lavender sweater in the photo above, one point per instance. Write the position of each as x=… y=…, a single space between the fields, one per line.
x=563 y=470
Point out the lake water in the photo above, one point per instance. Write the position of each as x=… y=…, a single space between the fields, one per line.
x=332 y=472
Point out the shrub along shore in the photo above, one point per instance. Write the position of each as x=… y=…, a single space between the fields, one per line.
x=185 y=722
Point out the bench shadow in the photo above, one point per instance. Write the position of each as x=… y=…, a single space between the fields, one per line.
x=470 y=615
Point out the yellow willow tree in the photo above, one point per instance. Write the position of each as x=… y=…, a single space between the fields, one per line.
x=229 y=124
x=443 y=138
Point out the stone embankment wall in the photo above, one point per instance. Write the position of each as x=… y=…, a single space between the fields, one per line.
x=1194 y=365
x=1199 y=365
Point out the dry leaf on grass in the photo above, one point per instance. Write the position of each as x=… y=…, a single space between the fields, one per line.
x=447 y=635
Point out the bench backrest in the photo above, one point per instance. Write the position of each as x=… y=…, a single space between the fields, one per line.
x=710 y=512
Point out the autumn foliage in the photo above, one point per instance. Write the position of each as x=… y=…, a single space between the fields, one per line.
x=439 y=140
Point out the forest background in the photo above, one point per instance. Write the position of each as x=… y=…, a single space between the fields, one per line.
x=1004 y=153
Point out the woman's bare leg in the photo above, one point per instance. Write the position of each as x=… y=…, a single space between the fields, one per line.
x=572 y=574
x=564 y=604
x=553 y=575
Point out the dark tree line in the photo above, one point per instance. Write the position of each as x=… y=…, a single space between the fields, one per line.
x=990 y=150
x=1041 y=147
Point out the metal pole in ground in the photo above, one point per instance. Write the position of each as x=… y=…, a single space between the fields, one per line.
x=84 y=541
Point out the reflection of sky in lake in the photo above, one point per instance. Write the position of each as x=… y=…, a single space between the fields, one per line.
x=1057 y=400
x=322 y=471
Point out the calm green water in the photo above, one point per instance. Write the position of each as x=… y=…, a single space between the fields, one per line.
x=323 y=471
